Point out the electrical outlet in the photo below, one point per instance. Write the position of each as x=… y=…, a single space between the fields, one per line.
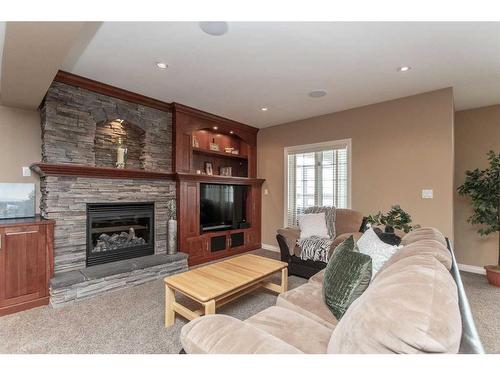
x=266 y=192
x=427 y=194
x=26 y=171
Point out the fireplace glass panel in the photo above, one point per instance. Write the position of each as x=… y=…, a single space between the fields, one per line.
x=109 y=235
x=119 y=231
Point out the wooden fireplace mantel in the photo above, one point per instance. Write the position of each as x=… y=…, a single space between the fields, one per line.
x=78 y=170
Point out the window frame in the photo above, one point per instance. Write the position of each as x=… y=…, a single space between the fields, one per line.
x=312 y=147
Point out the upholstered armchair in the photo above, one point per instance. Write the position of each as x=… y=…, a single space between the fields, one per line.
x=348 y=222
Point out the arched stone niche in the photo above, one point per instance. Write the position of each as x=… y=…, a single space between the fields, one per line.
x=106 y=139
x=81 y=127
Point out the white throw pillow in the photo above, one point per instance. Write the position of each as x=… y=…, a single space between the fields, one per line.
x=378 y=250
x=313 y=225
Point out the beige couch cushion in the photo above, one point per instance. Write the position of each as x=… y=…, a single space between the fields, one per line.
x=293 y=328
x=307 y=300
x=341 y=238
x=347 y=221
x=429 y=247
x=426 y=233
x=222 y=334
x=318 y=277
x=411 y=307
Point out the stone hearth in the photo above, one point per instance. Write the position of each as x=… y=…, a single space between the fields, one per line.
x=72 y=286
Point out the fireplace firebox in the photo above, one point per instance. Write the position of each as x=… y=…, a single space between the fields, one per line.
x=119 y=231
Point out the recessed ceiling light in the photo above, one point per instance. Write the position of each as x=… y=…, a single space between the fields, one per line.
x=264 y=109
x=404 y=68
x=317 y=93
x=161 y=65
x=214 y=28
x=231 y=132
x=215 y=128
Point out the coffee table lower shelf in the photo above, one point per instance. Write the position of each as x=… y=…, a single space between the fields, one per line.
x=209 y=306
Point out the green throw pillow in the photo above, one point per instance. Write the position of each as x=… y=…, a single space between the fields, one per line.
x=347 y=275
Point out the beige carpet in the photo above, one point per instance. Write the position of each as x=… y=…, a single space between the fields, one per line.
x=484 y=300
x=131 y=320
x=126 y=321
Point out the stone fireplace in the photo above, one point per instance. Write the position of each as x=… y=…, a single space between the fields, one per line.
x=102 y=220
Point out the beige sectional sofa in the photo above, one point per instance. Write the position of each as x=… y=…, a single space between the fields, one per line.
x=411 y=306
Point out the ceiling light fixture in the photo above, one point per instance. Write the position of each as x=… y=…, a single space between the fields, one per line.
x=161 y=65
x=263 y=109
x=317 y=93
x=214 y=28
x=231 y=132
x=215 y=128
x=404 y=68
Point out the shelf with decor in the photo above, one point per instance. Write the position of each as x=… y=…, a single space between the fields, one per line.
x=219 y=153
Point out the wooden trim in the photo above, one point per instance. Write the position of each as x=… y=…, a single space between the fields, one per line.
x=218 y=179
x=79 y=170
x=6 y=310
x=16 y=222
x=113 y=91
x=46 y=169
x=177 y=107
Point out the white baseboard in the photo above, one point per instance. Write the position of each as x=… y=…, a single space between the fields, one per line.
x=472 y=269
x=266 y=246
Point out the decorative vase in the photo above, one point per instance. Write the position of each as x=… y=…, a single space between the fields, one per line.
x=493 y=275
x=172 y=237
x=389 y=229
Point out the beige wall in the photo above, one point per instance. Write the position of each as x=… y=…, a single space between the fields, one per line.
x=476 y=132
x=399 y=147
x=20 y=144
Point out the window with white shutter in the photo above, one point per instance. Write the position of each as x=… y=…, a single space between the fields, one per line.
x=316 y=175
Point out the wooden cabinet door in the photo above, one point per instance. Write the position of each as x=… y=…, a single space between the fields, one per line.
x=252 y=238
x=196 y=247
x=183 y=153
x=23 y=264
x=188 y=209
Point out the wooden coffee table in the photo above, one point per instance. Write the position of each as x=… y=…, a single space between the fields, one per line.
x=219 y=283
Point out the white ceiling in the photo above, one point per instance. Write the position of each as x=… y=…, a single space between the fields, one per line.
x=276 y=64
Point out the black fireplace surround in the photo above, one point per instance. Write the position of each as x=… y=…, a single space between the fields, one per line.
x=119 y=231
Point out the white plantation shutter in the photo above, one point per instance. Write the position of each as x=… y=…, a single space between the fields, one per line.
x=317 y=175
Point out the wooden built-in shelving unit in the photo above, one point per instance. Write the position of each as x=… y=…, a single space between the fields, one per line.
x=194 y=131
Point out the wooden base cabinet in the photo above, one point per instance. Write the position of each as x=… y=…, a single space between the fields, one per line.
x=215 y=245
x=208 y=246
x=26 y=263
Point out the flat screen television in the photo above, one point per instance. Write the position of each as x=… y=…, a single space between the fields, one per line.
x=222 y=206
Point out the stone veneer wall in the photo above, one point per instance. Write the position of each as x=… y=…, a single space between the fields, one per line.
x=70 y=116
x=65 y=199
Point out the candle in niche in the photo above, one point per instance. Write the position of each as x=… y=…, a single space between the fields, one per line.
x=121 y=154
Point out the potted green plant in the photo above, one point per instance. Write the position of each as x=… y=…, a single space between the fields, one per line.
x=395 y=218
x=483 y=188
